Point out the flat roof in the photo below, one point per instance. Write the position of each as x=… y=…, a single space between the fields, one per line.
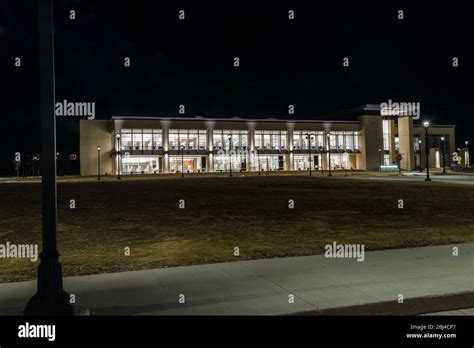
x=232 y=119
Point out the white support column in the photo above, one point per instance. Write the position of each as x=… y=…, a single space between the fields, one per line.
x=166 y=147
x=251 y=150
x=289 y=163
x=210 y=148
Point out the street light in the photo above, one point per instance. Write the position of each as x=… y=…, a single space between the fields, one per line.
x=380 y=160
x=98 y=162
x=467 y=160
x=419 y=148
x=329 y=152
x=309 y=138
x=426 y=124
x=119 y=157
x=444 y=154
x=229 y=136
x=182 y=161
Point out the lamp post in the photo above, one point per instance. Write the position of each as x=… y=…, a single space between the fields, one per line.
x=427 y=154
x=329 y=152
x=380 y=160
x=444 y=154
x=309 y=138
x=182 y=161
x=467 y=159
x=98 y=162
x=419 y=147
x=119 y=157
x=50 y=298
x=229 y=136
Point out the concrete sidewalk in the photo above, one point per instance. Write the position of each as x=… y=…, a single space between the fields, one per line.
x=264 y=286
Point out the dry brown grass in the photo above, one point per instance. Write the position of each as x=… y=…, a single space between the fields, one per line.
x=222 y=213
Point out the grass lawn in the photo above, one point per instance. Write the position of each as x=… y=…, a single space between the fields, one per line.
x=222 y=213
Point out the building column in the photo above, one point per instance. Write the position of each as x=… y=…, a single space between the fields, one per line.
x=210 y=149
x=405 y=135
x=166 y=147
x=371 y=141
x=250 y=150
x=289 y=156
x=391 y=137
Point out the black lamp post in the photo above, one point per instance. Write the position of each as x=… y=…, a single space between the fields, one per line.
x=467 y=160
x=229 y=136
x=98 y=162
x=119 y=156
x=50 y=298
x=419 y=147
x=182 y=161
x=427 y=154
x=329 y=152
x=380 y=160
x=444 y=154
x=309 y=138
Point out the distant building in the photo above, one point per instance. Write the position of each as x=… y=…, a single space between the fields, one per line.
x=361 y=139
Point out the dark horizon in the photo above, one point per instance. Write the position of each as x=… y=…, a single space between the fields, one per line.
x=190 y=62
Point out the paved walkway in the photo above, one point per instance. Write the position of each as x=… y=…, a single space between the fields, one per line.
x=264 y=286
x=448 y=178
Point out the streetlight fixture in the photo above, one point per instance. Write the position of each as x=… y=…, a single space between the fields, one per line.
x=444 y=154
x=419 y=147
x=426 y=124
x=98 y=162
x=309 y=138
x=467 y=160
x=229 y=136
x=329 y=152
x=182 y=161
x=119 y=156
x=380 y=160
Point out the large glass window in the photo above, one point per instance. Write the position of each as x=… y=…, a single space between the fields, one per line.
x=141 y=165
x=270 y=140
x=386 y=135
x=147 y=139
x=344 y=141
x=301 y=141
x=189 y=139
x=221 y=139
x=126 y=139
x=157 y=139
x=141 y=139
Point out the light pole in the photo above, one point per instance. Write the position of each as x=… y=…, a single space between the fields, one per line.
x=467 y=159
x=444 y=154
x=309 y=138
x=329 y=152
x=119 y=157
x=426 y=124
x=229 y=136
x=419 y=147
x=380 y=160
x=182 y=161
x=98 y=162
x=50 y=298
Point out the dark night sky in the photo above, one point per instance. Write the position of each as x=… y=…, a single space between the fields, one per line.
x=191 y=62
